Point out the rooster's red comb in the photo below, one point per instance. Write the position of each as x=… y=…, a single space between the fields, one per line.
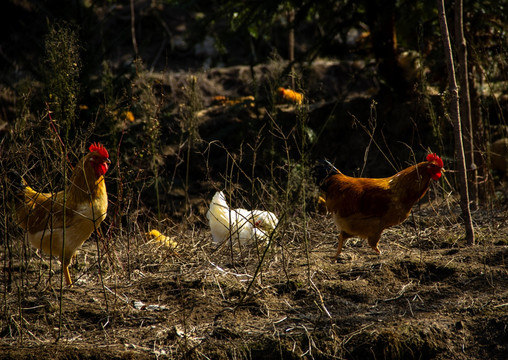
x=100 y=149
x=435 y=159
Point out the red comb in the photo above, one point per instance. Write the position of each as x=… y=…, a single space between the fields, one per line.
x=100 y=149
x=435 y=159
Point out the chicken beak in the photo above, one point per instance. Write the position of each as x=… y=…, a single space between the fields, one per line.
x=107 y=162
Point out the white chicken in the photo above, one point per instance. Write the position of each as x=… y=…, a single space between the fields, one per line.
x=241 y=225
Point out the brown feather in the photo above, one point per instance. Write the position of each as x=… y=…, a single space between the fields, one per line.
x=364 y=207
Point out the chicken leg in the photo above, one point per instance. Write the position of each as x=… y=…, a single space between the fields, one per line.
x=342 y=236
x=373 y=242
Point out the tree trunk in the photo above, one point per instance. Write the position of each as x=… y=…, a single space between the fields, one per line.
x=485 y=180
x=380 y=18
x=291 y=44
x=133 y=29
x=457 y=130
x=465 y=104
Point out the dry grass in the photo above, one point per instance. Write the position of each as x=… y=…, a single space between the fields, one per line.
x=426 y=295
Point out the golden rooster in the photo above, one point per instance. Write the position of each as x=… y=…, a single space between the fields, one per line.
x=365 y=207
x=41 y=215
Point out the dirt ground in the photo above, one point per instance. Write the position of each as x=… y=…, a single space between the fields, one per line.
x=428 y=296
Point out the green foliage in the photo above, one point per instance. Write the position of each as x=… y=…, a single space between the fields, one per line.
x=61 y=72
x=122 y=86
x=189 y=123
x=190 y=107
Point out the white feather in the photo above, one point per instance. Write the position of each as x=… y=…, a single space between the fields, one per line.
x=241 y=225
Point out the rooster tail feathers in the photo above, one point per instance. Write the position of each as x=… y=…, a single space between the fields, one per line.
x=322 y=171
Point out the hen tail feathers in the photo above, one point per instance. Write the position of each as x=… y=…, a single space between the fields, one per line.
x=322 y=171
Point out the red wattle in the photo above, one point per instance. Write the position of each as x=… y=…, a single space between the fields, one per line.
x=101 y=169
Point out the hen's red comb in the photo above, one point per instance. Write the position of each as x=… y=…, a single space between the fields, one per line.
x=435 y=159
x=100 y=149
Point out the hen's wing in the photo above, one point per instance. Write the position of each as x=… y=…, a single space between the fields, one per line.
x=362 y=197
x=41 y=211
